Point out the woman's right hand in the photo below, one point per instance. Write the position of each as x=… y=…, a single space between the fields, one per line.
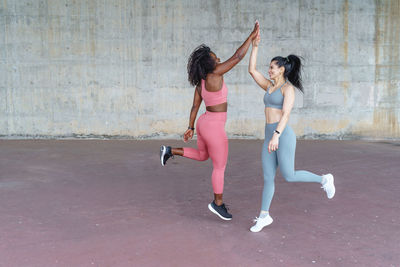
x=226 y=66
x=256 y=31
x=188 y=135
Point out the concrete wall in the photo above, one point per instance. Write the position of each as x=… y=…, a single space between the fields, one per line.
x=81 y=68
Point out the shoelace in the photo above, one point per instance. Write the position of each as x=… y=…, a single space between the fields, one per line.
x=259 y=219
x=170 y=155
x=167 y=156
x=224 y=207
x=325 y=186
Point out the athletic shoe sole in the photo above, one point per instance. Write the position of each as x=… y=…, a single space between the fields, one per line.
x=215 y=212
x=163 y=150
x=253 y=231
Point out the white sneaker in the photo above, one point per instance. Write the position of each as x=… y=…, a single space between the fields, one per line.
x=329 y=186
x=261 y=223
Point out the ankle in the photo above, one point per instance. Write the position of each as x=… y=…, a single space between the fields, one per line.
x=177 y=151
x=264 y=213
x=218 y=199
x=218 y=202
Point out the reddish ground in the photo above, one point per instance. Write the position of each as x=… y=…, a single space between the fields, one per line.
x=110 y=203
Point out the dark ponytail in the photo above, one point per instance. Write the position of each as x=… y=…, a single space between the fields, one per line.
x=200 y=64
x=292 y=65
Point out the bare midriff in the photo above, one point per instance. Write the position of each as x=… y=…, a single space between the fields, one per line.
x=223 y=107
x=272 y=115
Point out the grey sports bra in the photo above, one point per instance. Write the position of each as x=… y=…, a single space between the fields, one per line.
x=275 y=99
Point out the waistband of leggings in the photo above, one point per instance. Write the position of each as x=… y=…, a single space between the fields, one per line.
x=221 y=116
x=271 y=125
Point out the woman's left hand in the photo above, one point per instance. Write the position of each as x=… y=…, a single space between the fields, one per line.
x=188 y=135
x=256 y=40
x=273 y=143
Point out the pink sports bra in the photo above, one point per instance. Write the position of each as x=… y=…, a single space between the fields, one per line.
x=214 y=98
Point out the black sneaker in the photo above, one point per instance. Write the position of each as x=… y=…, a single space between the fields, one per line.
x=221 y=211
x=165 y=154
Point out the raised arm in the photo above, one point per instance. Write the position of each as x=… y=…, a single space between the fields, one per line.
x=193 y=114
x=263 y=82
x=226 y=66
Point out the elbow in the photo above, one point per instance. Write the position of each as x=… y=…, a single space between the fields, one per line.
x=253 y=74
x=195 y=107
x=252 y=68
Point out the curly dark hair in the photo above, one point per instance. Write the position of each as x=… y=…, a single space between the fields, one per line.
x=200 y=64
x=293 y=66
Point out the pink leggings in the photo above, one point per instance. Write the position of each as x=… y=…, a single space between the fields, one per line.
x=211 y=142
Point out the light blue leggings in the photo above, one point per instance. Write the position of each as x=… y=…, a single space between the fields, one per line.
x=284 y=157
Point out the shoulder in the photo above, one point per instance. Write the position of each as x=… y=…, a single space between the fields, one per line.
x=288 y=89
x=214 y=77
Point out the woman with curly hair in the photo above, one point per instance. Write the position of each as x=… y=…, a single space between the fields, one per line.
x=206 y=72
x=280 y=141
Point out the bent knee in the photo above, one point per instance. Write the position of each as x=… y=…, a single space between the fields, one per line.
x=290 y=178
x=203 y=157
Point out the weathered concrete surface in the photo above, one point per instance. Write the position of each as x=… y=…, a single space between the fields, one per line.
x=118 y=68
x=110 y=203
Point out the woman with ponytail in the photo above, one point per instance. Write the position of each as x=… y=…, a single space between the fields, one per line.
x=280 y=140
x=205 y=72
